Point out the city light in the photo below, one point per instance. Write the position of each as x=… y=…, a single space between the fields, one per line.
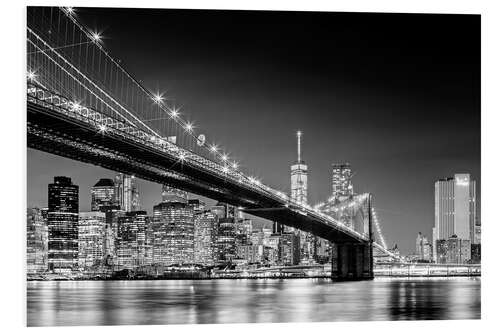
x=70 y=10
x=235 y=165
x=31 y=75
x=75 y=106
x=224 y=157
x=188 y=127
x=174 y=112
x=96 y=37
x=158 y=98
x=225 y=169
x=182 y=157
x=102 y=128
x=213 y=148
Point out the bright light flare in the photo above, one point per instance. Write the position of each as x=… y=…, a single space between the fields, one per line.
x=96 y=37
x=235 y=165
x=182 y=157
x=75 y=106
x=158 y=98
x=70 y=10
x=224 y=157
x=174 y=113
x=214 y=148
x=102 y=128
x=31 y=75
x=225 y=169
x=189 y=127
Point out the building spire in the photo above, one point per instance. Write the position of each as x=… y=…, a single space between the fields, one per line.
x=299 y=134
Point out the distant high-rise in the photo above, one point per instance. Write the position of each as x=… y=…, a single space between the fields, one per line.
x=290 y=249
x=62 y=220
x=126 y=192
x=91 y=239
x=205 y=238
x=342 y=181
x=299 y=176
x=455 y=209
x=173 y=229
x=172 y=194
x=197 y=205
x=102 y=194
x=423 y=248
x=130 y=243
x=226 y=239
x=37 y=241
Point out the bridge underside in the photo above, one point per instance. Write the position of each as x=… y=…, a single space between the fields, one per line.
x=54 y=133
x=51 y=132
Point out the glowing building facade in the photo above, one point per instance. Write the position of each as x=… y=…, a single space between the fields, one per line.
x=130 y=242
x=91 y=239
x=36 y=241
x=205 y=238
x=455 y=209
x=342 y=181
x=173 y=233
x=126 y=192
x=299 y=176
x=62 y=220
x=102 y=194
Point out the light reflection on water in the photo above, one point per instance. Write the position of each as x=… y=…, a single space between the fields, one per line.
x=62 y=303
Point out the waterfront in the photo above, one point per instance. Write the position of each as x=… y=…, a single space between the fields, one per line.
x=161 y=302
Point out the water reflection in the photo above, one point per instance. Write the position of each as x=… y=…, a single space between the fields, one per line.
x=249 y=301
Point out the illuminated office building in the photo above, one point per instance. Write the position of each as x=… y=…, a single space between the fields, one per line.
x=126 y=192
x=453 y=251
x=299 y=176
x=62 y=220
x=423 y=248
x=130 y=243
x=197 y=205
x=173 y=229
x=342 y=181
x=226 y=239
x=290 y=249
x=36 y=241
x=455 y=209
x=91 y=239
x=102 y=194
x=205 y=238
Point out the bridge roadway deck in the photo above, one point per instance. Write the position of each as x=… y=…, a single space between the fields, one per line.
x=52 y=131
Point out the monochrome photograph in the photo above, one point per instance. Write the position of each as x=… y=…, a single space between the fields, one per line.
x=218 y=166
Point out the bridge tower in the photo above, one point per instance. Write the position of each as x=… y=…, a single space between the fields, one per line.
x=354 y=261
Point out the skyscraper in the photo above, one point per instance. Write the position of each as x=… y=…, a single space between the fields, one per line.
x=342 y=181
x=173 y=229
x=226 y=239
x=102 y=194
x=62 y=220
x=126 y=192
x=205 y=238
x=299 y=176
x=36 y=241
x=130 y=241
x=455 y=209
x=91 y=239
x=423 y=248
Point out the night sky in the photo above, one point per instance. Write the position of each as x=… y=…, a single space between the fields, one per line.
x=396 y=95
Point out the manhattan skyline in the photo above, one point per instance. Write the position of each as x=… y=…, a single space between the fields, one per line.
x=400 y=105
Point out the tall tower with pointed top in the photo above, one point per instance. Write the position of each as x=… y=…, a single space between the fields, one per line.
x=299 y=176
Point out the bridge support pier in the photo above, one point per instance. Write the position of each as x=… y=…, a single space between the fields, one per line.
x=353 y=261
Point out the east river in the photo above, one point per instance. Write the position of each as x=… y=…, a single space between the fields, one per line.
x=161 y=302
